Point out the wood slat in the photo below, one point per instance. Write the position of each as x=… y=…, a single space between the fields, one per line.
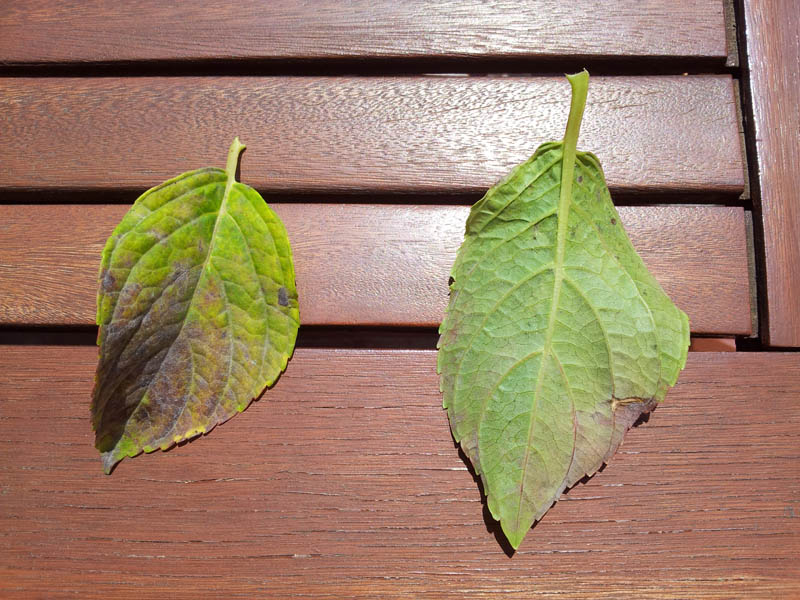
x=317 y=134
x=44 y=31
x=361 y=264
x=773 y=54
x=344 y=482
x=712 y=344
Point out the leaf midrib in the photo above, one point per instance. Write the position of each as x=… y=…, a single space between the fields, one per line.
x=579 y=83
x=230 y=171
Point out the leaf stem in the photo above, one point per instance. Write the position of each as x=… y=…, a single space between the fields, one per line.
x=580 y=88
x=233 y=159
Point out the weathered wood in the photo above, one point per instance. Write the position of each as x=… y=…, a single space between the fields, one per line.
x=343 y=481
x=43 y=31
x=361 y=264
x=773 y=55
x=376 y=135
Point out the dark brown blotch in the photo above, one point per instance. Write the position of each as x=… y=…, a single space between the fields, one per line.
x=109 y=281
x=283 y=296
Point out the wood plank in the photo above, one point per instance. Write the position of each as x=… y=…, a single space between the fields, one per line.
x=343 y=482
x=44 y=31
x=379 y=265
x=773 y=54
x=712 y=344
x=370 y=135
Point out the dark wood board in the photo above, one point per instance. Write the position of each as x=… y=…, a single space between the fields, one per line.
x=91 y=31
x=343 y=482
x=773 y=55
x=377 y=265
x=454 y=135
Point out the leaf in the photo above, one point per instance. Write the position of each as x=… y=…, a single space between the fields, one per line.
x=197 y=309
x=556 y=338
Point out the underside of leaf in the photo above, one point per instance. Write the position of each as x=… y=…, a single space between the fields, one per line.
x=197 y=309
x=556 y=338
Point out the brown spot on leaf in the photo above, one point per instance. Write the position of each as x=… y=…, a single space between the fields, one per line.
x=283 y=297
x=109 y=281
x=613 y=221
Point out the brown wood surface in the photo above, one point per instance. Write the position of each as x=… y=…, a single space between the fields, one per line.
x=773 y=54
x=343 y=482
x=712 y=344
x=43 y=31
x=317 y=134
x=362 y=264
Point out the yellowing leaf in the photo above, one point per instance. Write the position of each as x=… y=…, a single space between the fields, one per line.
x=557 y=338
x=197 y=311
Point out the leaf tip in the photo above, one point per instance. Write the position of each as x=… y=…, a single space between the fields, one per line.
x=514 y=537
x=109 y=461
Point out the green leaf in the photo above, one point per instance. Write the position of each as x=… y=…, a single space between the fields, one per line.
x=197 y=309
x=556 y=338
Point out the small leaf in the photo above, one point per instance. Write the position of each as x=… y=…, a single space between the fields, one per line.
x=197 y=309
x=556 y=338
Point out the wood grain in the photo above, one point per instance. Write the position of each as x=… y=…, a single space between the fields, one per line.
x=43 y=31
x=361 y=264
x=370 y=135
x=343 y=482
x=773 y=54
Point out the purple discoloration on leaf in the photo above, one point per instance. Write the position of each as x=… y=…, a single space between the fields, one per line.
x=183 y=309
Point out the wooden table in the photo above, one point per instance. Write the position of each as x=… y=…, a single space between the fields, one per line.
x=371 y=128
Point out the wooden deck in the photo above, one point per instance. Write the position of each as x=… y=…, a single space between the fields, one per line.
x=340 y=483
x=371 y=128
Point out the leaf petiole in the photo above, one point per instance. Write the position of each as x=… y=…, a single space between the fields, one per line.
x=580 y=89
x=233 y=159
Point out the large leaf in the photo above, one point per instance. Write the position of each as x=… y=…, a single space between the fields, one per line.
x=197 y=311
x=557 y=338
